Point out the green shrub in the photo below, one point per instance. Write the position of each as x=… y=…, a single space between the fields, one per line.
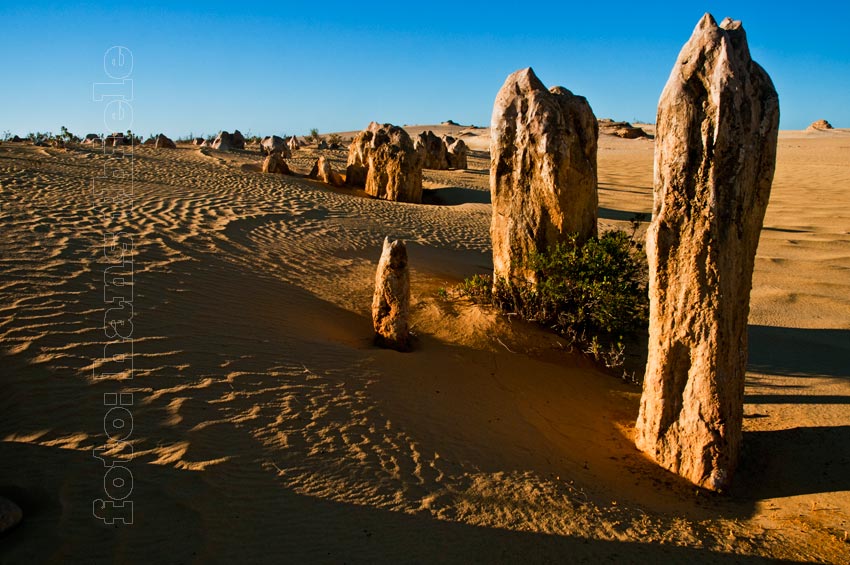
x=314 y=135
x=593 y=294
x=479 y=288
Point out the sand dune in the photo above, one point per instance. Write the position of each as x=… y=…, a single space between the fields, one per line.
x=267 y=428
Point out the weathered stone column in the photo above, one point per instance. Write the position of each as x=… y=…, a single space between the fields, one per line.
x=542 y=171
x=383 y=157
x=391 y=303
x=715 y=153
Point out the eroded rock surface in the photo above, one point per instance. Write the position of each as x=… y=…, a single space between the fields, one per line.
x=391 y=302
x=393 y=165
x=715 y=153
x=323 y=171
x=274 y=164
x=542 y=172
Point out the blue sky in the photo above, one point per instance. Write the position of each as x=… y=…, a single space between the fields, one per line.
x=288 y=66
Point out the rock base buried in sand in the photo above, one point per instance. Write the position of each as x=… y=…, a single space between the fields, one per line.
x=715 y=153
x=391 y=304
x=323 y=171
x=10 y=514
x=274 y=164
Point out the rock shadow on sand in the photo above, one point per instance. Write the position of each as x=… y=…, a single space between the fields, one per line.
x=799 y=352
x=304 y=528
x=455 y=196
x=798 y=461
x=623 y=215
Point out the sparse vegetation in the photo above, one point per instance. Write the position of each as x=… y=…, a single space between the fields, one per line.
x=314 y=136
x=67 y=136
x=335 y=138
x=479 y=288
x=39 y=137
x=594 y=294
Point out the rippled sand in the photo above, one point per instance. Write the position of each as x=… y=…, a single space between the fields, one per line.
x=266 y=427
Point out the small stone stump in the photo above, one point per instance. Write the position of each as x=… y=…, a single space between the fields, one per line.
x=391 y=303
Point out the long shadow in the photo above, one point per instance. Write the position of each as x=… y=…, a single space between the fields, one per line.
x=184 y=516
x=631 y=188
x=454 y=196
x=799 y=352
x=796 y=399
x=797 y=460
x=624 y=215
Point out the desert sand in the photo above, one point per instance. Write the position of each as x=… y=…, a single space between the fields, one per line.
x=268 y=428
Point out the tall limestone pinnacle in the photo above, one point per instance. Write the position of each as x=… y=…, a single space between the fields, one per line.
x=543 y=182
x=715 y=153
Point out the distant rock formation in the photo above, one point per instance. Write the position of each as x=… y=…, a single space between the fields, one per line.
x=163 y=142
x=393 y=166
x=322 y=145
x=542 y=172
x=820 y=125
x=225 y=141
x=93 y=140
x=433 y=151
x=116 y=140
x=715 y=152
x=391 y=302
x=457 y=154
x=198 y=141
x=275 y=144
x=621 y=129
x=293 y=144
x=274 y=164
x=323 y=171
x=358 y=150
x=238 y=140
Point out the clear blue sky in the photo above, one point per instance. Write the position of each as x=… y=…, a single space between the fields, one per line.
x=288 y=66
